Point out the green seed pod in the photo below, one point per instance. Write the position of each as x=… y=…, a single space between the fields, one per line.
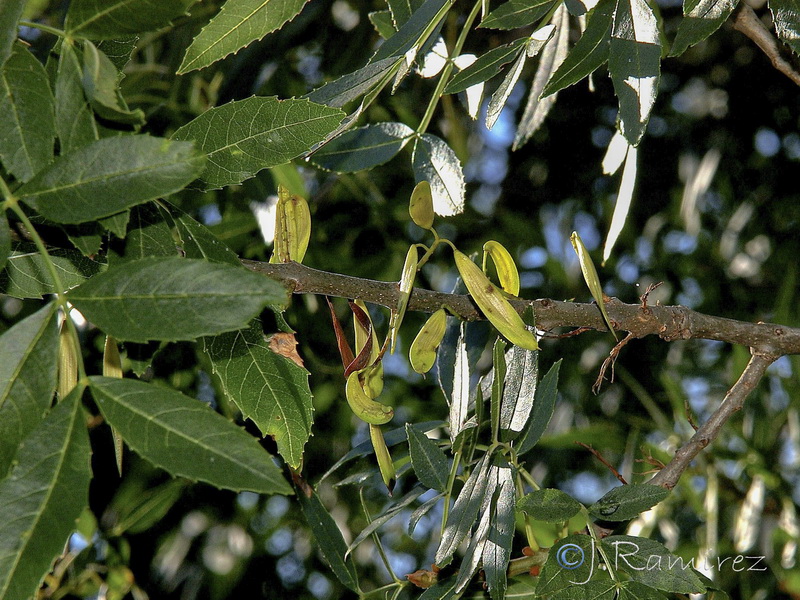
x=67 y=362
x=492 y=303
x=372 y=376
x=112 y=367
x=421 y=205
x=423 y=349
x=505 y=266
x=364 y=407
x=385 y=463
x=406 y=283
x=591 y=277
x=292 y=227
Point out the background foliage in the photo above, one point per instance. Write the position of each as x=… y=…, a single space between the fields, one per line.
x=103 y=113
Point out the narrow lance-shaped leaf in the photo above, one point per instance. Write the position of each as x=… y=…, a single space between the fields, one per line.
x=517 y=13
x=185 y=437
x=435 y=162
x=459 y=401
x=42 y=498
x=27 y=128
x=635 y=65
x=394 y=508
x=497 y=549
x=109 y=19
x=498 y=100
x=498 y=384
x=588 y=54
x=238 y=23
x=363 y=148
x=628 y=501
x=28 y=354
x=477 y=542
x=486 y=66
x=701 y=18
x=74 y=120
x=26 y=274
x=591 y=278
x=415 y=31
x=623 y=204
x=401 y=10
x=543 y=406
x=348 y=87
x=429 y=462
x=268 y=388
x=174 y=299
x=521 y=379
x=787 y=22
x=110 y=175
x=245 y=136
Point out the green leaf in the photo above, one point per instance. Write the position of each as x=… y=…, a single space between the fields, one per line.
x=517 y=13
x=429 y=461
x=589 y=53
x=701 y=18
x=787 y=22
x=549 y=505
x=392 y=510
x=101 y=84
x=117 y=224
x=414 y=32
x=486 y=67
x=26 y=274
x=245 y=136
x=174 y=299
x=197 y=240
x=603 y=589
x=9 y=19
x=570 y=561
x=633 y=590
x=43 y=497
x=498 y=100
x=443 y=590
x=435 y=162
x=650 y=563
x=75 y=122
x=110 y=175
x=27 y=128
x=329 y=539
x=498 y=383
x=119 y=50
x=464 y=512
x=86 y=237
x=519 y=393
x=137 y=507
x=348 y=87
x=28 y=353
x=185 y=437
x=543 y=406
x=382 y=22
x=635 y=65
x=422 y=510
x=363 y=148
x=108 y=19
x=149 y=234
x=5 y=240
x=268 y=388
x=401 y=10
x=237 y=24
x=497 y=549
x=628 y=501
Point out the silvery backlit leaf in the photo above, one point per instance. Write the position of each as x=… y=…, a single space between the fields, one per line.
x=435 y=162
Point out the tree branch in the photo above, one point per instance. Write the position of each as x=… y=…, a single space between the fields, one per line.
x=749 y=24
x=733 y=402
x=668 y=322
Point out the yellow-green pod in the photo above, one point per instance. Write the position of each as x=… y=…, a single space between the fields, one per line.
x=406 y=283
x=67 y=362
x=292 y=227
x=505 y=266
x=492 y=304
x=423 y=349
x=421 y=205
x=372 y=376
x=112 y=367
x=591 y=277
x=385 y=463
x=364 y=407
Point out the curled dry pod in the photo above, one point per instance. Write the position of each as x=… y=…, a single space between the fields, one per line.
x=406 y=283
x=371 y=376
x=112 y=367
x=67 y=362
x=591 y=277
x=492 y=303
x=364 y=407
x=423 y=349
x=385 y=463
x=292 y=227
x=421 y=205
x=505 y=266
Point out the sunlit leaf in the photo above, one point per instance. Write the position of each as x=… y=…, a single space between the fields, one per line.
x=497 y=549
x=459 y=400
x=627 y=501
x=382 y=22
x=549 y=505
x=623 y=204
x=401 y=10
x=363 y=148
x=245 y=136
x=238 y=23
x=522 y=375
x=28 y=352
x=42 y=498
x=591 y=278
x=435 y=162
x=185 y=437
x=542 y=411
x=701 y=18
x=27 y=127
x=348 y=87
x=503 y=91
x=485 y=67
x=110 y=175
x=517 y=13
x=787 y=22
x=162 y=298
x=108 y=19
x=268 y=388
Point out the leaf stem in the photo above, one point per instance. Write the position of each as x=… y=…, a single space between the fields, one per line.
x=448 y=69
x=449 y=491
x=598 y=544
x=43 y=27
x=377 y=541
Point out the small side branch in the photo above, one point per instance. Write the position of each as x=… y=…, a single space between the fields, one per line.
x=707 y=433
x=749 y=24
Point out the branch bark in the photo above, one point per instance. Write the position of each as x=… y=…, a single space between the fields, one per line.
x=748 y=23
x=668 y=322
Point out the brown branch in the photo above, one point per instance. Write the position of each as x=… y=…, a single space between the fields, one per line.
x=708 y=431
x=749 y=24
x=668 y=322
x=602 y=459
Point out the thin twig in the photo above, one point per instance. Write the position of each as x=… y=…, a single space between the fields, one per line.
x=708 y=431
x=609 y=362
x=749 y=24
x=600 y=457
